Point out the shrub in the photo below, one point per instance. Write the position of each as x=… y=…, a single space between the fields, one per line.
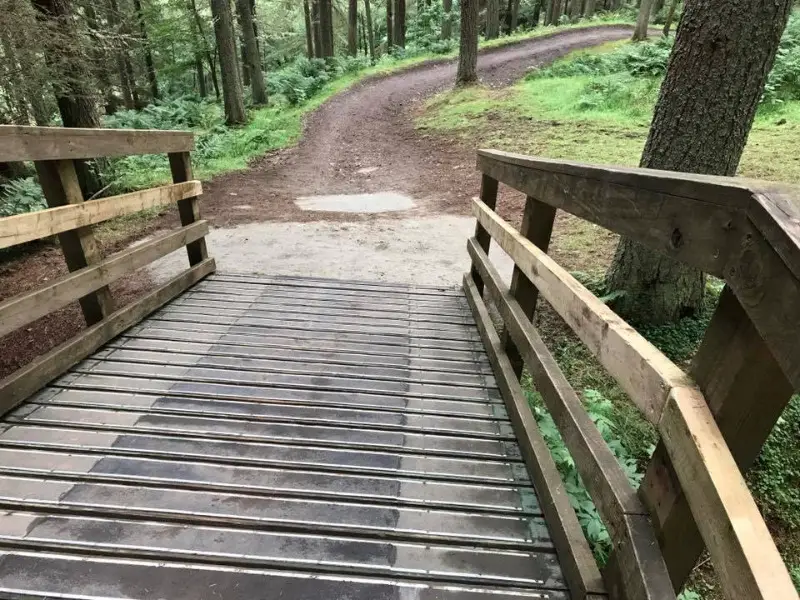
x=784 y=79
x=179 y=113
x=21 y=196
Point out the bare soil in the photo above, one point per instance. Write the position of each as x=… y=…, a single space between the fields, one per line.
x=370 y=125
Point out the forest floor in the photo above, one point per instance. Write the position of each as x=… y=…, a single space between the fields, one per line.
x=362 y=140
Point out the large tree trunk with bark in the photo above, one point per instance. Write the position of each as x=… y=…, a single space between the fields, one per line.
x=150 y=65
x=575 y=7
x=468 y=46
x=515 y=15
x=722 y=56
x=200 y=32
x=309 y=30
x=642 y=21
x=201 y=75
x=352 y=27
x=66 y=57
x=232 y=95
x=370 y=30
x=447 y=20
x=252 y=57
x=492 y=19
x=326 y=27
x=389 y=25
x=591 y=6
x=537 y=12
x=399 y=35
x=316 y=27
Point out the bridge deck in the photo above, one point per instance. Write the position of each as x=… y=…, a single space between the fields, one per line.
x=344 y=439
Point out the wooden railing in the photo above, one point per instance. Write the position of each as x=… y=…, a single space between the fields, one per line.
x=712 y=422
x=54 y=151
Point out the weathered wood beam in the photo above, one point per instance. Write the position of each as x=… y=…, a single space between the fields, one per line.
x=489 y=198
x=26 y=227
x=22 y=383
x=577 y=562
x=26 y=308
x=19 y=143
x=188 y=207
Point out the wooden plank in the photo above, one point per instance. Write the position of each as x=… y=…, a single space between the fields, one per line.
x=577 y=562
x=489 y=198
x=537 y=226
x=189 y=207
x=639 y=367
x=36 y=225
x=732 y=367
x=26 y=308
x=775 y=211
x=22 y=383
x=640 y=570
x=19 y=143
x=61 y=188
x=701 y=234
x=738 y=540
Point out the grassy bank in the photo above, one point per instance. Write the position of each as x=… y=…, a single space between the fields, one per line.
x=596 y=106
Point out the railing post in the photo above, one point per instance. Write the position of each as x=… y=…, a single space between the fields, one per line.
x=488 y=197
x=747 y=391
x=537 y=226
x=59 y=181
x=180 y=163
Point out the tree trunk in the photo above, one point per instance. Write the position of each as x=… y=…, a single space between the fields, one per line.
x=148 y=54
x=642 y=21
x=252 y=58
x=670 y=16
x=515 y=15
x=400 y=23
x=389 y=26
x=370 y=30
x=203 y=40
x=73 y=92
x=722 y=56
x=548 y=14
x=326 y=27
x=537 y=12
x=658 y=5
x=309 y=31
x=468 y=46
x=201 y=76
x=352 y=27
x=492 y=19
x=447 y=20
x=316 y=27
x=18 y=103
x=226 y=43
x=588 y=11
x=575 y=7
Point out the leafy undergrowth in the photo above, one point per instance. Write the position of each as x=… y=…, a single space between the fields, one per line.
x=595 y=106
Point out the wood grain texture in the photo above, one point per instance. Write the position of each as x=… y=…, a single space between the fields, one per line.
x=180 y=165
x=59 y=181
x=36 y=225
x=26 y=308
x=19 y=143
x=732 y=368
x=776 y=214
x=640 y=571
x=537 y=226
x=698 y=233
x=639 y=367
x=22 y=383
x=738 y=540
x=575 y=556
x=489 y=198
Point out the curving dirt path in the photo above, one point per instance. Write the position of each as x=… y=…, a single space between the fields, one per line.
x=371 y=127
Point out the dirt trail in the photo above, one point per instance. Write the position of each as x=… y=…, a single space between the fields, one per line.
x=371 y=127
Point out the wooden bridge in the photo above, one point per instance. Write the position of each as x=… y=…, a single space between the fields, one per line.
x=252 y=437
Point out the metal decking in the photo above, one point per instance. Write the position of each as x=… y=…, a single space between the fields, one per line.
x=270 y=437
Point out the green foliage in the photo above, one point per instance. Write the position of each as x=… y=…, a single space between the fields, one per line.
x=179 y=113
x=776 y=475
x=601 y=412
x=689 y=594
x=21 y=196
x=784 y=79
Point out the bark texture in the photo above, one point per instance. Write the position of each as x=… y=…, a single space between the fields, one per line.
x=316 y=28
x=468 y=46
x=575 y=7
x=150 y=64
x=370 y=30
x=722 y=56
x=492 y=19
x=447 y=20
x=352 y=27
x=252 y=57
x=232 y=95
x=389 y=26
x=642 y=20
x=326 y=27
x=673 y=6
x=591 y=6
x=309 y=31
x=399 y=35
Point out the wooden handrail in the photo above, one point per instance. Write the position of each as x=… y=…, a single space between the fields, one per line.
x=747 y=228
x=21 y=143
x=54 y=151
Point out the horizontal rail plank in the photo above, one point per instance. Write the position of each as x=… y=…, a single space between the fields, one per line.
x=19 y=143
x=23 y=382
x=737 y=538
x=639 y=367
x=27 y=227
x=577 y=561
x=26 y=308
x=641 y=567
